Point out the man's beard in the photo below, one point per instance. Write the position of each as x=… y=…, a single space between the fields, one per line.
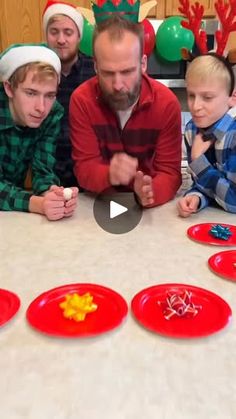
x=121 y=101
x=67 y=59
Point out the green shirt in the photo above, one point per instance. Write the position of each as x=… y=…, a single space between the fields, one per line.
x=24 y=147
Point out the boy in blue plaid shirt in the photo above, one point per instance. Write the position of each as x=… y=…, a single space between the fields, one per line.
x=210 y=136
x=29 y=124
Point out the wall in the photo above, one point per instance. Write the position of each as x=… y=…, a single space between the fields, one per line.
x=20 y=21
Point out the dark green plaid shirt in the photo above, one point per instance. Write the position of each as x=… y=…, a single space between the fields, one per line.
x=21 y=148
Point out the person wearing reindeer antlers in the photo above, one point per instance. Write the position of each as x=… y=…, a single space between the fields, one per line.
x=210 y=135
x=63 y=29
x=125 y=126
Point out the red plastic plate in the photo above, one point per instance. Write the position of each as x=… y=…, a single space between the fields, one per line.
x=200 y=233
x=214 y=315
x=224 y=264
x=9 y=305
x=45 y=315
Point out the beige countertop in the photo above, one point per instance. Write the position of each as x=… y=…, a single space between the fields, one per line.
x=128 y=373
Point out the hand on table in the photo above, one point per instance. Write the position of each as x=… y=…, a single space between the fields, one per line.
x=188 y=205
x=55 y=205
x=122 y=169
x=143 y=188
x=71 y=204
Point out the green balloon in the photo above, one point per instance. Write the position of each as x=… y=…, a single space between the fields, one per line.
x=171 y=37
x=86 y=42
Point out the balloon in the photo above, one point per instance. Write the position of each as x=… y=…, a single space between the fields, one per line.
x=86 y=42
x=149 y=36
x=171 y=37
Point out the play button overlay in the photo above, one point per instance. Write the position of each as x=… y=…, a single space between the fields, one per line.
x=117 y=212
x=116 y=209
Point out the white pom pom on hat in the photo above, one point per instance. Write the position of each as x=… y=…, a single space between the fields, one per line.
x=53 y=8
x=18 y=55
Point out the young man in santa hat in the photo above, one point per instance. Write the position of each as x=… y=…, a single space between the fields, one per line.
x=63 y=29
x=29 y=125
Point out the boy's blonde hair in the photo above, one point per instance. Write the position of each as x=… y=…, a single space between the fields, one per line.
x=42 y=72
x=207 y=66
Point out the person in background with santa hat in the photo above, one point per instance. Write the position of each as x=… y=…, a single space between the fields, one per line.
x=63 y=29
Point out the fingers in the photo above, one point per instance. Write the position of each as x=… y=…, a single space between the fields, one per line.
x=54 y=210
x=56 y=206
x=184 y=214
x=199 y=146
x=122 y=169
x=75 y=192
x=58 y=190
x=138 y=182
x=144 y=189
x=55 y=216
x=188 y=205
x=70 y=207
x=139 y=176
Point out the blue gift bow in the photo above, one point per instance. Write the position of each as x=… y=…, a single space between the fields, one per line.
x=220 y=232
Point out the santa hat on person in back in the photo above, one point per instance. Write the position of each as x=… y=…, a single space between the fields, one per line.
x=18 y=55
x=53 y=8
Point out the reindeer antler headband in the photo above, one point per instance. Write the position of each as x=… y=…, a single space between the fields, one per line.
x=226 y=13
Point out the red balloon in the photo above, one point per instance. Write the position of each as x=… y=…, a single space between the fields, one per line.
x=149 y=37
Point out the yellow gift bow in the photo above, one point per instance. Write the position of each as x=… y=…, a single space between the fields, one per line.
x=77 y=306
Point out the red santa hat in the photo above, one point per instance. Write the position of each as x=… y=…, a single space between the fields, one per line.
x=59 y=7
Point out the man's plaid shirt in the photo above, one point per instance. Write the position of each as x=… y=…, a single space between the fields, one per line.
x=81 y=71
x=21 y=148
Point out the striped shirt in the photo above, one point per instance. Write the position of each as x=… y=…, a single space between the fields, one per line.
x=82 y=70
x=214 y=173
x=24 y=147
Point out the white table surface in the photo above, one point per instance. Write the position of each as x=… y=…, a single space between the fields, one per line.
x=128 y=373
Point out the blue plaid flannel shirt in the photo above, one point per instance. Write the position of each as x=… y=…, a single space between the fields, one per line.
x=214 y=179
